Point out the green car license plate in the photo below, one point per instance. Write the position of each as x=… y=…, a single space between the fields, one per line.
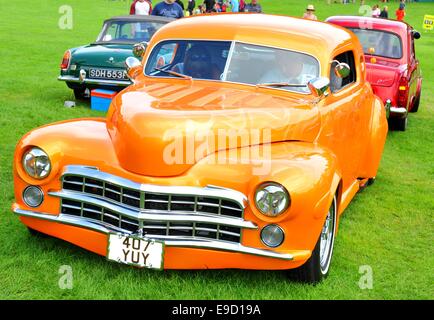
x=135 y=251
x=107 y=74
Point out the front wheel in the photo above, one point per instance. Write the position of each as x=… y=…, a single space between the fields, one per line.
x=317 y=267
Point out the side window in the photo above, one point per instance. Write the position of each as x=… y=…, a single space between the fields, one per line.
x=337 y=83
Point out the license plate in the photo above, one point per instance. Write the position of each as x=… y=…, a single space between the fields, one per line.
x=107 y=74
x=135 y=251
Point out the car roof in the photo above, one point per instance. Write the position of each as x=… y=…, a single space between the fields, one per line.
x=140 y=18
x=375 y=22
x=286 y=32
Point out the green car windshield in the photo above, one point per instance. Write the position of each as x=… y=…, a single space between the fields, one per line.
x=128 y=31
x=233 y=62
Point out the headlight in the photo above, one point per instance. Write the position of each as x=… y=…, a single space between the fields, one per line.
x=272 y=199
x=33 y=196
x=36 y=163
x=272 y=235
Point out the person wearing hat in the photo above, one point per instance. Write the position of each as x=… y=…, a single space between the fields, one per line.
x=309 y=14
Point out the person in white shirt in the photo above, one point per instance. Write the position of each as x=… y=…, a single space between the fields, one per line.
x=142 y=8
x=376 y=11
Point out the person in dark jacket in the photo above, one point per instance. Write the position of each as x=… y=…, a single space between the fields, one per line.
x=190 y=7
x=384 y=13
x=181 y=4
x=209 y=5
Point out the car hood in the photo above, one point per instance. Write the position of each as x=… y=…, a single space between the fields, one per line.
x=163 y=129
x=102 y=55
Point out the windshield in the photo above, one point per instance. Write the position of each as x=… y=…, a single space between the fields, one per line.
x=233 y=62
x=127 y=31
x=379 y=43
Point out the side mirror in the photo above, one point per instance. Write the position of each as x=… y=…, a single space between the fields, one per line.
x=342 y=70
x=134 y=67
x=139 y=49
x=415 y=34
x=319 y=86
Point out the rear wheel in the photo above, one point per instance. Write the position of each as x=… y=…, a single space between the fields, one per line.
x=416 y=103
x=317 y=267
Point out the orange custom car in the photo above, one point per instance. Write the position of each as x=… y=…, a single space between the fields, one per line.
x=240 y=143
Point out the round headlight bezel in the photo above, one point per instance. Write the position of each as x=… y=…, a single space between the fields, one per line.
x=25 y=198
x=264 y=229
x=37 y=156
x=272 y=188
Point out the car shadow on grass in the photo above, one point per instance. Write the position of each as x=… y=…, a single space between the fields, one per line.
x=63 y=250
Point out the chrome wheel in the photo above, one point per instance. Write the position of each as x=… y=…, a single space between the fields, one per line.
x=327 y=239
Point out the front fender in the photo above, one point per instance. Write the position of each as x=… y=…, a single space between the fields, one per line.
x=309 y=172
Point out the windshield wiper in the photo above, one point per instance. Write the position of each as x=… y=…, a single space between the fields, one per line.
x=173 y=73
x=281 y=84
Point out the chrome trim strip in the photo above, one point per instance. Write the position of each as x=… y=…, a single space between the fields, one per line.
x=190 y=243
x=397 y=110
x=155 y=215
x=208 y=191
x=95 y=81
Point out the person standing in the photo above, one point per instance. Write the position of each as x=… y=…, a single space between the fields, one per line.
x=384 y=13
x=242 y=5
x=400 y=13
x=169 y=9
x=309 y=14
x=181 y=4
x=376 y=11
x=190 y=6
x=141 y=7
x=254 y=6
x=235 y=6
x=209 y=5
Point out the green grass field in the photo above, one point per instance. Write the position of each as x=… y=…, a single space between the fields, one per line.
x=388 y=226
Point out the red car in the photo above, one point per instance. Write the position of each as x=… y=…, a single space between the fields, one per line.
x=392 y=67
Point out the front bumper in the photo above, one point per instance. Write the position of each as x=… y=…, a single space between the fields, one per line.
x=101 y=82
x=179 y=242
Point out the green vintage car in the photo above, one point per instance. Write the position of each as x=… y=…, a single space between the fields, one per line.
x=102 y=64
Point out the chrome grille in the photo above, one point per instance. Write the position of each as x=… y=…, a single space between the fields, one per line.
x=166 y=212
x=122 y=223
x=151 y=200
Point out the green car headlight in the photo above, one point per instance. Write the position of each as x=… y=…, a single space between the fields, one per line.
x=272 y=199
x=36 y=163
